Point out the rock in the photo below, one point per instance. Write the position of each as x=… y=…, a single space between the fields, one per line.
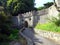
x=15 y=43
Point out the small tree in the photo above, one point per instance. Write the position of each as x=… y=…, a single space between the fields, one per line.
x=48 y=4
x=5 y=26
x=15 y=7
x=56 y=20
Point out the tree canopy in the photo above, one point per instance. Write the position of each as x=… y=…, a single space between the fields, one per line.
x=48 y=4
x=19 y=6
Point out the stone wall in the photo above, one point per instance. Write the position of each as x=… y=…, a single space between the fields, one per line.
x=57 y=3
x=52 y=11
x=50 y=35
x=34 y=17
x=15 y=20
x=29 y=41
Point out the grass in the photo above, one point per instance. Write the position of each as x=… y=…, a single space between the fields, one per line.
x=4 y=43
x=48 y=27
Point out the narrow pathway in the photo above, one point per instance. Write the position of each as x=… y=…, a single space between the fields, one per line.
x=43 y=41
x=37 y=39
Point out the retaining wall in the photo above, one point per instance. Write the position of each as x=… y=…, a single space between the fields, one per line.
x=49 y=35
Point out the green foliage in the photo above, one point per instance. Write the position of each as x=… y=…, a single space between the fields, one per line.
x=5 y=21
x=55 y=20
x=6 y=32
x=40 y=8
x=54 y=25
x=3 y=3
x=14 y=35
x=4 y=43
x=48 y=4
x=19 y=6
x=48 y=27
x=5 y=26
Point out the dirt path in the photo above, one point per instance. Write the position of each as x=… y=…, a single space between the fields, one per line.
x=37 y=39
x=43 y=41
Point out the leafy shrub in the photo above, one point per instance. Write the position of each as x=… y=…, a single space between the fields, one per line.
x=48 y=27
x=55 y=20
x=14 y=34
x=6 y=32
x=53 y=25
x=4 y=43
x=5 y=26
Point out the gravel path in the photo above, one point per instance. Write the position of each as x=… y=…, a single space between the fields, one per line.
x=43 y=41
x=37 y=39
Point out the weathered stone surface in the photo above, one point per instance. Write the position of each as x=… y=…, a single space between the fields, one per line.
x=15 y=43
x=37 y=39
x=50 y=35
x=29 y=41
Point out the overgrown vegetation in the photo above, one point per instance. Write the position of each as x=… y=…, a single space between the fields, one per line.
x=55 y=20
x=48 y=27
x=15 y=7
x=46 y=5
x=6 y=31
x=53 y=25
x=12 y=8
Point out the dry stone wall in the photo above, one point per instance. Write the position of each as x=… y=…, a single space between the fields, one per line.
x=50 y=35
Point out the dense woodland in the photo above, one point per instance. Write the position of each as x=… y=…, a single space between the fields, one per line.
x=9 y=8
x=15 y=7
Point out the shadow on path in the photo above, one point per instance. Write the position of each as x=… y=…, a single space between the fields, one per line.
x=36 y=38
